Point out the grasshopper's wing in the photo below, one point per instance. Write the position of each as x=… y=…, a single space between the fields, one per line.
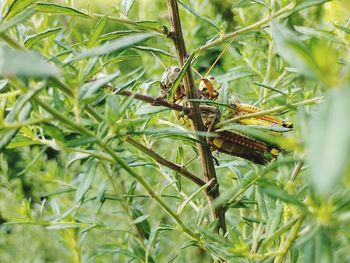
x=245 y=147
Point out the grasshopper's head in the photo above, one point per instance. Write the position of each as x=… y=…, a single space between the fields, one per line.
x=234 y=102
x=207 y=88
x=168 y=78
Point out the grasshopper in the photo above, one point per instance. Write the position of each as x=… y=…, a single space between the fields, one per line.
x=265 y=120
x=229 y=142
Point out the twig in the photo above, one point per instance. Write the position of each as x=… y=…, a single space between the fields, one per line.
x=173 y=166
x=204 y=149
x=155 y=101
x=246 y=29
x=289 y=241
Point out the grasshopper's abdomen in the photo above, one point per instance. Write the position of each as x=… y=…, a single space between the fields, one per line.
x=244 y=146
x=242 y=109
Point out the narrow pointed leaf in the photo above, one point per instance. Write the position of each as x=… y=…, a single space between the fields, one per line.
x=115 y=45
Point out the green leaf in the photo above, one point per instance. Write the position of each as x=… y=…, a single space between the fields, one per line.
x=127 y=5
x=235 y=73
x=53 y=131
x=294 y=51
x=17 y=6
x=271 y=88
x=155 y=50
x=24 y=64
x=59 y=9
x=139 y=219
x=90 y=88
x=181 y=75
x=113 y=107
x=319 y=248
x=306 y=4
x=32 y=40
x=276 y=192
x=19 y=112
x=76 y=157
x=317 y=33
x=190 y=198
x=115 y=45
x=3 y=84
x=86 y=180
x=192 y=11
x=329 y=140
x=19 y=142
x=119 y=33
x=141 y=222
x=97 y=32
x=4 y=26
x=239 y=127
x=80 y=141
x=344 y=29
x=63 y=226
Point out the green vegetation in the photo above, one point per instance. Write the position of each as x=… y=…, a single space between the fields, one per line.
x=88 y=174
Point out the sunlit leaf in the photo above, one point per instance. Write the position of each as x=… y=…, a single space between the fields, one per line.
x=32 y=40
x=344 y=29
x=97 y=31
x=155 y=50
x=58 y=9
x=192 y=11
x=25 y=64
x=86 y=180
x=276 y=192
x=294 y=51
x=329 y=141
x=90 y=88
x=181 y=75
x=17 y=6
x=20 y=17
x=119 y=33
x=127 y=5
x=115 y=45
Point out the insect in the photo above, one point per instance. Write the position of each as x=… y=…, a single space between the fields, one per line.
x=264 y=120
x=166 y=83
x=229 y=142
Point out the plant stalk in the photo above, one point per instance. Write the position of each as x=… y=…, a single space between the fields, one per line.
x=173 y=166
x=218 y=213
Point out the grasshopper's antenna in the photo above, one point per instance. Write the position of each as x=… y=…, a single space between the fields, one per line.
x=217 y=59
x=195 y=71
x=157 y=58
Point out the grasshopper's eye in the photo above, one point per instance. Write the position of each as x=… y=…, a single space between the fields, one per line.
x=177 y=69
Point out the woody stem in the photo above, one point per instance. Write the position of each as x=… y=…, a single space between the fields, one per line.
x=218 y=213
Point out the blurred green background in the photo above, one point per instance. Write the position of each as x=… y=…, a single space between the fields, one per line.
x=63 y=200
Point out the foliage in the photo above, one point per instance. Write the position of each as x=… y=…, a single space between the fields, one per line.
x=76 y=187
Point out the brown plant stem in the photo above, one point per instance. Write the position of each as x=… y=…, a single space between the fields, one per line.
x=155 y=101
x=218 y=213
x=173 y=166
